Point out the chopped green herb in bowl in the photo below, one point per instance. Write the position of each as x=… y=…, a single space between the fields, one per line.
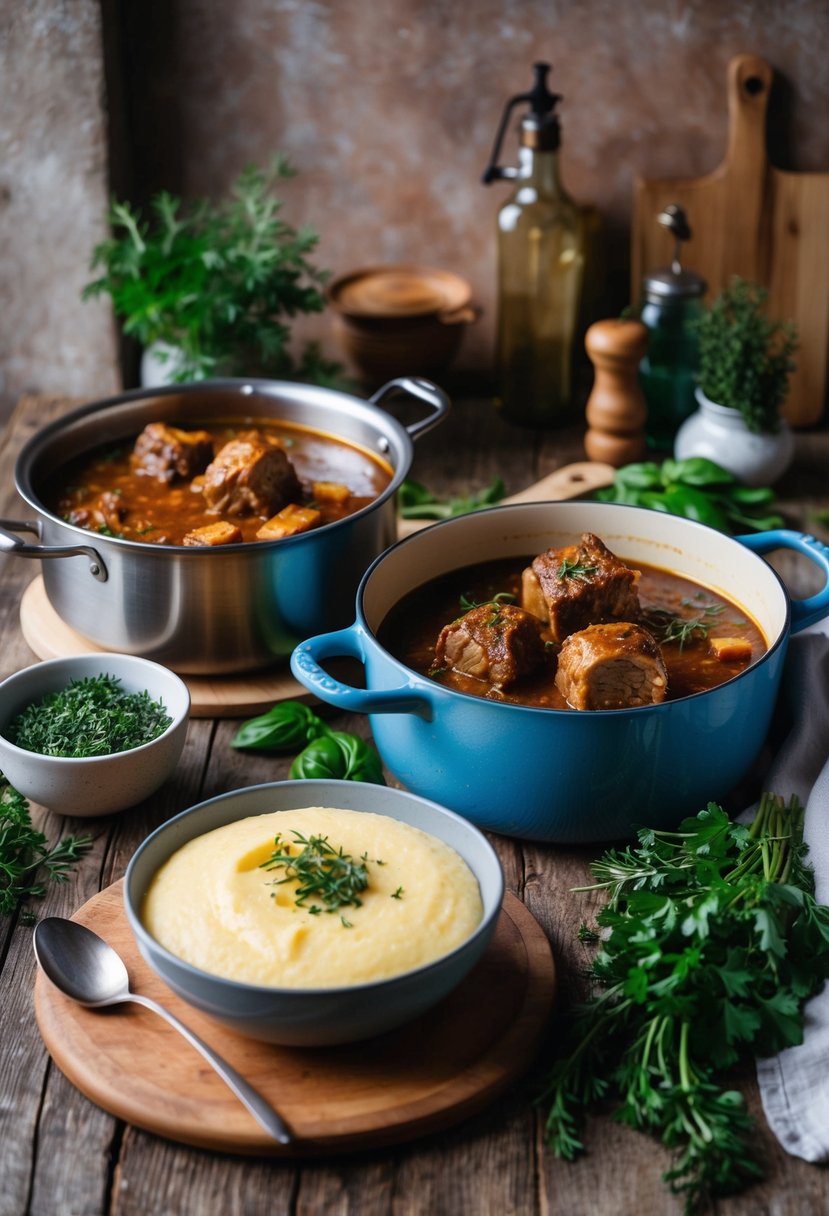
x=92 y=716
x=91 y=734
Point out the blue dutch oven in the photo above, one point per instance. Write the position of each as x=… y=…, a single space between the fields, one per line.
x=563 y=775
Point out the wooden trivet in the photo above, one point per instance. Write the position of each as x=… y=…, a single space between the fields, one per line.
x=232 y=696
x=445 y=1066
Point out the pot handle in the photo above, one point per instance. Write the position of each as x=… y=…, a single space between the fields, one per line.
x=349 y=643
x=807 y=611
x=426 y=391
x=13 y=544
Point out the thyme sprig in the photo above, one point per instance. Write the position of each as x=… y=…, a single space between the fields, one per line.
x=669 y=627
x=322 y=873
x=27 y=861
x=575 y=569
x=496 y=603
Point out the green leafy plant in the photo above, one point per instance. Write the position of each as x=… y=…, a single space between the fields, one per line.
x=416 y=501
x=325 y=753
x=709 y=945
x=27 y=861
x=219 y=282
x=695 y=488
x=745 y=359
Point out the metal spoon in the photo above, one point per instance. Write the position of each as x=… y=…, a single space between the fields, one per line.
x=87 y=969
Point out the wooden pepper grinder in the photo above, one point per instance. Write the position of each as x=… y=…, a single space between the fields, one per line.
x=616 y=410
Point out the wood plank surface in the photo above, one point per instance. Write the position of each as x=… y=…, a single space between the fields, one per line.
x=60 y=1155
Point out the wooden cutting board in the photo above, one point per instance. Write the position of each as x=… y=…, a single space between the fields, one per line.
x=749 y=218
x=447 y=1065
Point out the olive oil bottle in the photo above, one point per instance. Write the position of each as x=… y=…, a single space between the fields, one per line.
x=541 y=261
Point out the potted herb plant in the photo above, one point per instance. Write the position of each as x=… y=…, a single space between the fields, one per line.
x=210 y=288
x=745 y=360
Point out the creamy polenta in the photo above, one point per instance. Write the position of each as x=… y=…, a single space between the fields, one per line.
x=214 y=904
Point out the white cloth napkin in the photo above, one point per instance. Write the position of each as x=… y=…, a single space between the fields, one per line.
x=794 y=1085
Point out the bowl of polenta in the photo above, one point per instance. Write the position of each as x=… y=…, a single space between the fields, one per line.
x=312 y=912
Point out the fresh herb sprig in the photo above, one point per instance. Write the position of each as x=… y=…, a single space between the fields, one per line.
x=695 y=488
x=496 y=603
x=324 y=875
x=668 y=627
x=92 y=716
x=415 y=501
x=574 y=569
x=709 y=945
x=219 y=281
x=27 y=861
x=291 y=726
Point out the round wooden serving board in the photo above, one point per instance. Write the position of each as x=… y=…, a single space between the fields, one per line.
x=441 y=1068
x=232 y=696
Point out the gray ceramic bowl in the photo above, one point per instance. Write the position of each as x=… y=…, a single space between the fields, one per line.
x=302 y=1016
x=97 y=785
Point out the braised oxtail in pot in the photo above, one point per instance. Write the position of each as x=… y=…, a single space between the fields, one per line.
x=573 y=627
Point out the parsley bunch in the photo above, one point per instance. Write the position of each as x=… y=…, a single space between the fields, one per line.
x=709 y=944
x=26 y=860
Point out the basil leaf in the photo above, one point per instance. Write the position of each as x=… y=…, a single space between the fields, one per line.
x=284 y=728
x=696 y=471
x=340 y=756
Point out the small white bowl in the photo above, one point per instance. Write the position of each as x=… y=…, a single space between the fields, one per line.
x=95 y=785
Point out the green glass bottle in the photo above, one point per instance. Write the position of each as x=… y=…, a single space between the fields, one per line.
x=541 y=262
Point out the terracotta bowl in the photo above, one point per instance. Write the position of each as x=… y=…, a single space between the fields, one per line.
x=400 y=319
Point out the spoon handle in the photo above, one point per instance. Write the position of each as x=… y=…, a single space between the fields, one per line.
x=261 y=1110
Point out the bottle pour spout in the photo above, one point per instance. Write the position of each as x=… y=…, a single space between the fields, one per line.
x=539 y=126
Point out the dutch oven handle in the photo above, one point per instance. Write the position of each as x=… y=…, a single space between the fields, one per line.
x=13 y=544
x=807 y=611
x=425 y=390
x=349 y=643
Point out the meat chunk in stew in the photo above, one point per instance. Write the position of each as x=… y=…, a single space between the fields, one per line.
x=251 y=475
x=498 y=643
x=616 y=665
x=171 y=454
x=579 y=585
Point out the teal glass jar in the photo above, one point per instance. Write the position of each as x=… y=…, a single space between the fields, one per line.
x=672 y=301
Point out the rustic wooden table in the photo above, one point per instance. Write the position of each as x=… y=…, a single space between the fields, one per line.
x=62 y=1156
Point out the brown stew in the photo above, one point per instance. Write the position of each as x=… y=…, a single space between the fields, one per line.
x=109 y=492
x=410 y=631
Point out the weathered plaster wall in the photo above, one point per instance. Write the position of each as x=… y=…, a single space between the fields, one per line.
x=53 y=195
x=387 y=110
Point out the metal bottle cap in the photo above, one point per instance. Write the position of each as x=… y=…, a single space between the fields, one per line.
x=673 y=282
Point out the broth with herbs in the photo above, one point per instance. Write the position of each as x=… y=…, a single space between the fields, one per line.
x=701 y=638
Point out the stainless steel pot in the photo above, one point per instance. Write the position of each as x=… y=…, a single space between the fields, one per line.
x=235 y=607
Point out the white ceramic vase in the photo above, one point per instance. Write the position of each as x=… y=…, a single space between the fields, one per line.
x=719 y=432
x=159 y=364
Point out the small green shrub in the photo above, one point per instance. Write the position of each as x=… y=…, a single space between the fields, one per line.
x=219 y=281
x=745 y=359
